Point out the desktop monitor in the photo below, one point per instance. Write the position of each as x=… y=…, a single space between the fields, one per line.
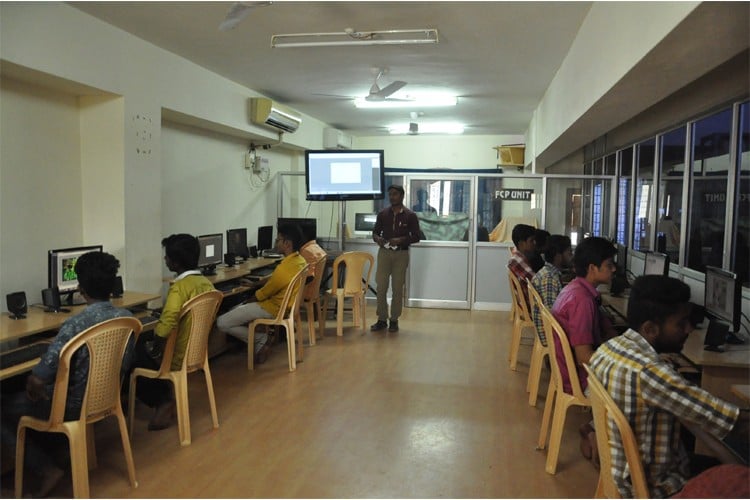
x=265 y=238
x=620 y=278
x=722 y=297
x=237 y=242
x=61 y=269
x=212 y=252
x=364 y=224
x=332 y=175
x=309 y=227
x=656 y=263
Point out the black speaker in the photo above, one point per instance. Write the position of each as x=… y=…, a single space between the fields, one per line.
x=229 y=259
x=16 y=302
x=253 y=250
x=117 y=292
x=51 y=300
x=697 y=314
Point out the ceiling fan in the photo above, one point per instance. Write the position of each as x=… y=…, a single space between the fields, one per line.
x=238 y=12
x=377 y=94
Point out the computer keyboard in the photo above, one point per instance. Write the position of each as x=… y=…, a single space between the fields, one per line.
x=22 y=354
x=263 y=271
x=145 y=320
x=226 y=286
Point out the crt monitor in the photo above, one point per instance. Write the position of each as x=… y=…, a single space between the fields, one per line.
x=722 y=296
x=332 y=175
x=364 y=223
x=61 y=269
x=309 y=227
x=237 y=242
x=656 y=263
x=212 y=252
x=265 y=238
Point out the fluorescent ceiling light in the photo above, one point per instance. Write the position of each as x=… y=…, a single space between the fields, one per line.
x=350 y=37
x=424 y=101
x=428 y=128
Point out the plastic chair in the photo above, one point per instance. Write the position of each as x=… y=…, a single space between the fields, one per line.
x=311 y=299
x=522 y=318
x=201 y=312
x=288 y=313
x=608 y=415
x=538 y=352
x=556 y=396
x=512 y=314
x=356 y=282
x=106 y=344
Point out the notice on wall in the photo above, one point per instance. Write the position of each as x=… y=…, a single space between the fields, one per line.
x=514 y=194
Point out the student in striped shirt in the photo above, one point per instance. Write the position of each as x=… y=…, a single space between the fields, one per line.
x=652 y=395
x=548 y=281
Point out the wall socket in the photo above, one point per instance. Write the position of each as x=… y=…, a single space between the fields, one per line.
x=262 y=166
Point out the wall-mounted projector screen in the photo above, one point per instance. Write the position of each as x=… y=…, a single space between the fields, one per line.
x=332 y=175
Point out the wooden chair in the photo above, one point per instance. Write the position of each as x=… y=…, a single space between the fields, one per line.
x=538 y=352
x=522 y=318
x=556 y=396
x=312 y=302
x=201 y=312
x=356 y=282
x=607 y=416
x=106 y=344
x=288 y=313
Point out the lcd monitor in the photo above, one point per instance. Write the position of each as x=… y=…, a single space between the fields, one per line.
x=620 y=278
x=656 y=263
x=309 y=227
x=265 y=238
x=332 y=175
x=722 y=296
x=237 y=242
x=61 y=270
x=212 y=252
x=364 y=223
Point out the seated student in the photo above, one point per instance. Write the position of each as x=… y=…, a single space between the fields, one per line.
x=310 y=250
x=181 y=253
x=519 y=264
x=536 y=260
x=548 y=281
x=96 y=273
x=652 y=394
x=266 y=300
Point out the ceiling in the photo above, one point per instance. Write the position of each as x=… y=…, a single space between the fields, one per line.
x=497 y=57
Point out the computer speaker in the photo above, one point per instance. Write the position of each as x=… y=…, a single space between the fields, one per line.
x=253 y=250
x=229 y=259
x=118 y=290
x=16 y=303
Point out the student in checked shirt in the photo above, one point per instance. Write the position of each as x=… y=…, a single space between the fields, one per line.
x=548 y=281
x=652 y=395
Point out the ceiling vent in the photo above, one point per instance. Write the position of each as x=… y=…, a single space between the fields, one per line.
x=336 y=139
x=264 y=111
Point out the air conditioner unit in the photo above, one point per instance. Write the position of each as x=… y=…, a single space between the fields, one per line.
x=511 y=155
x=264 y=111
x=336 y=139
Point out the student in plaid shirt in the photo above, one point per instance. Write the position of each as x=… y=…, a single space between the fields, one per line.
x=548 y=281
x=650 y=392
x=519 y=264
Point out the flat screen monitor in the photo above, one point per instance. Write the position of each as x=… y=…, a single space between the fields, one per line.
x=265 y=238
x=212 y=252
x=345 y=175
x=364 y=223
x=656 y=263
x=237 y=242
x=61 y=269
x=621 y=260
x=309 y=226
x=722 y=296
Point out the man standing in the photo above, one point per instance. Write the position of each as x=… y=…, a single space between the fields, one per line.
x=396 y=227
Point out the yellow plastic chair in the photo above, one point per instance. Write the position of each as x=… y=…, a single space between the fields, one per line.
x=556 y=396
x=607 y=416
x=106 y=344
x=358 y=268
x=538 y=352
x=288 y=313
x=201 y=311
x=522 y=317
x=312 y=302
x=512 y=314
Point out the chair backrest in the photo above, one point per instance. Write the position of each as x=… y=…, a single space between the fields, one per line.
x=519 y=296
x=357 y=273
x=293 y=290
x=537 y=306
x=554 y=330
x=312 y=289
x=106 y=343
x=201 y=310
x=607 y=417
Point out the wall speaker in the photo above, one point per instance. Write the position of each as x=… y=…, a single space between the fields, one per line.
x=16 y=303
x=118 y=290
x=229 y=259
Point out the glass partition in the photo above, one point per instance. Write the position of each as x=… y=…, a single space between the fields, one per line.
x=503 y=202
x=624 y=186
x=741 y=251
x=672 y=175
x=644 y=195
x=442 y=207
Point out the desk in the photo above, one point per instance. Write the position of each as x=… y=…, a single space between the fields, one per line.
x=742 y=391
x=224 y=274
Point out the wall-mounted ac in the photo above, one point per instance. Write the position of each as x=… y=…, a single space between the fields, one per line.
x=264 y=111
x=336 y=139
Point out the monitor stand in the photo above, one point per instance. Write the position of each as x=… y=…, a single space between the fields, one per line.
x=73 y=299
x=716 y=336
x=208 y=271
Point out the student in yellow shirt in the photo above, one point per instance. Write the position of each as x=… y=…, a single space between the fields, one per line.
x=266 y=300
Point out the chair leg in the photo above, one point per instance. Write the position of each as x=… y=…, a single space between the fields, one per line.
x=20 y=449
x=211 y=397
x=549 y=404
x=555 y=438
x=251 y=348
x=183 y=410
x=79 y=461
x=126 y=447
x=131 y=403
x=535 y=372
x=291 y=345
x=515 y=342
x=310 y=322
x=340 y=312
x=321 y=319
x=91 y=447
x=363 y=311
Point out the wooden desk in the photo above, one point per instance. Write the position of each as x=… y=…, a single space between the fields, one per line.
x=742 y=391
x=224 y=274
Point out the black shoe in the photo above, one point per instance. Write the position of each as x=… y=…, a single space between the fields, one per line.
x=394 y=326
x=378 y=326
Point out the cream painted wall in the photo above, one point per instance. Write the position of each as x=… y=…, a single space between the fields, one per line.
x=40 y=184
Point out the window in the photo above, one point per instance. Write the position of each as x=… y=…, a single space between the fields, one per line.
x=643 y=195
x=623 y=195
x=672 y=175
x=741 y=250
